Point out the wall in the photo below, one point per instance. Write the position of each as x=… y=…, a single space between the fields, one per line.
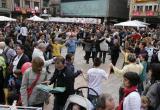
x=118 y=8
x=91 y=8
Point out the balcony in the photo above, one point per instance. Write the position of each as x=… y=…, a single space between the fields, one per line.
x=145 y=13
x=26 y=10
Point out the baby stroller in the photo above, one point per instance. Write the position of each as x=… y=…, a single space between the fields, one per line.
x=79 y=100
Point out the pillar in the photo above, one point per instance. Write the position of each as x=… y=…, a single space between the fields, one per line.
x=130 y=9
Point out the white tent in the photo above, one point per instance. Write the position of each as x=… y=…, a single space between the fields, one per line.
x=130 y=24
x=4 y=18
x=35 y=18
x=144 y=23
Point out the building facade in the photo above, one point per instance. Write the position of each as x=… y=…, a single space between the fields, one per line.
x=109 y=9
x=54 y=6
x=146 y=10
x=25 y=8
x=4 y=8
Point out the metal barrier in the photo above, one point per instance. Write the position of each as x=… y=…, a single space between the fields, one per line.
x=7 y=107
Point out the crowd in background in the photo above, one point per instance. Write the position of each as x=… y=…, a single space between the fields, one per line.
x=41 y=43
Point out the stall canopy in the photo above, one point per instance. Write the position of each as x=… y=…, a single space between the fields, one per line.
x=144 y=23
x=75 y=20
x=35 y=18
x=133 y=23
x=4 y=18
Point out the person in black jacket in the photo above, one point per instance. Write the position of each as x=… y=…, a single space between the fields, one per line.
x=19 y=59
x=63 y=77
x=15 y=77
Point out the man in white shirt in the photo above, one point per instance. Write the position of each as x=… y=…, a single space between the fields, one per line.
x=38 y=52
x=95 y=76
x=24 y=33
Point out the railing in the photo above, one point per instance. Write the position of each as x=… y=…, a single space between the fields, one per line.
x=7 y=107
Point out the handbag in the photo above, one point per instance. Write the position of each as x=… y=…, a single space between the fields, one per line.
x=29 y=89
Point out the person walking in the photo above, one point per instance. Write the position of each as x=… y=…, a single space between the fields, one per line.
x=95 y=76
x=30 y=95
x=63 y=77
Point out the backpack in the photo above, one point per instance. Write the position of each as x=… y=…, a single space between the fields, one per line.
x=154 y=58
x=4 y=54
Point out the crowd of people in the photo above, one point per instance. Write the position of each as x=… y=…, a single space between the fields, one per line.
x=41 y=43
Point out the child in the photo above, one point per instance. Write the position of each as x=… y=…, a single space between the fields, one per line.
x=143 y=76
x=77 y=107
x=56 y=48
x=145 y=103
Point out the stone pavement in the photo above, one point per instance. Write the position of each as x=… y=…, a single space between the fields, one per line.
x=110 y=86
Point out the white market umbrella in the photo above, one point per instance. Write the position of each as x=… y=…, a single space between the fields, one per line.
x=35 y=18
x=4 y=18
x=130 y=24
x=144 y=23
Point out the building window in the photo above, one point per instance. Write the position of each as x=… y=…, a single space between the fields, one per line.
x=4 y=5
x=17 y=3
x=45 y=3
x=155 y=7
x=146 y=8
x=27 y=4
x=36 y=4
x=139 y=8
x=150 y=8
